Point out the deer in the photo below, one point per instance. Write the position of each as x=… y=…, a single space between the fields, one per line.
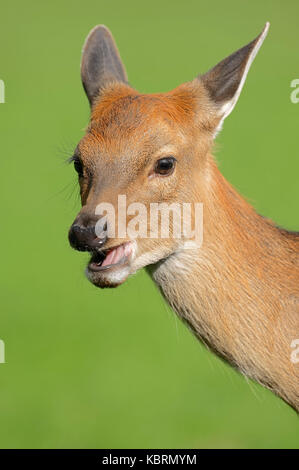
x=239 y=291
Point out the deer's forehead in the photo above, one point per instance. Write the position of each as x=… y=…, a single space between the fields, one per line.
x=120 y=138
x=137 y=147
x=128 y=110
x=132 y=127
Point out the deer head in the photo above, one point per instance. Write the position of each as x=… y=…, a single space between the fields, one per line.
x=150 y=149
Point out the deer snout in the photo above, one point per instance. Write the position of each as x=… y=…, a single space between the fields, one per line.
x=84 y=238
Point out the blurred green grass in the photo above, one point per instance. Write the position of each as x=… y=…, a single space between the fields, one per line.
x=90 y=368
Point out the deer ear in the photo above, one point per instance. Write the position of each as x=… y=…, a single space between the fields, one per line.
x=225 y=81
x=101 y=63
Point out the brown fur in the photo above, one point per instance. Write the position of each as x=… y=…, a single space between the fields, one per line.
x=242 y=284
x=238 y=292
x=243 y=290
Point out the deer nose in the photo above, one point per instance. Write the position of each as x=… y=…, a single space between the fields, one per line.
x=84 y=238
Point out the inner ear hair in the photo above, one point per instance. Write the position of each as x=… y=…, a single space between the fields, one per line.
x=225 y=81
x=101 y=63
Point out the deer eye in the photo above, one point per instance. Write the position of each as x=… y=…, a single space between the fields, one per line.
x=165 y=166
x=78 y=166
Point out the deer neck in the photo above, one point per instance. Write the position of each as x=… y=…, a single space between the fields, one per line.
x=239 y=292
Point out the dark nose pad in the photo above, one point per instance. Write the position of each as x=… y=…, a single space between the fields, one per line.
x=85 y=239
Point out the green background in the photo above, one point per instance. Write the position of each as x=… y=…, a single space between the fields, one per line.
x=92 y=368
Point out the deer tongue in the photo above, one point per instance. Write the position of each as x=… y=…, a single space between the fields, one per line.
x=114 y=255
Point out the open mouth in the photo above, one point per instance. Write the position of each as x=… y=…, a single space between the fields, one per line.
x=111 y=258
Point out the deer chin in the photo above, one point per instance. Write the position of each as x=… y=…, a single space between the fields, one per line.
x=110 y=268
